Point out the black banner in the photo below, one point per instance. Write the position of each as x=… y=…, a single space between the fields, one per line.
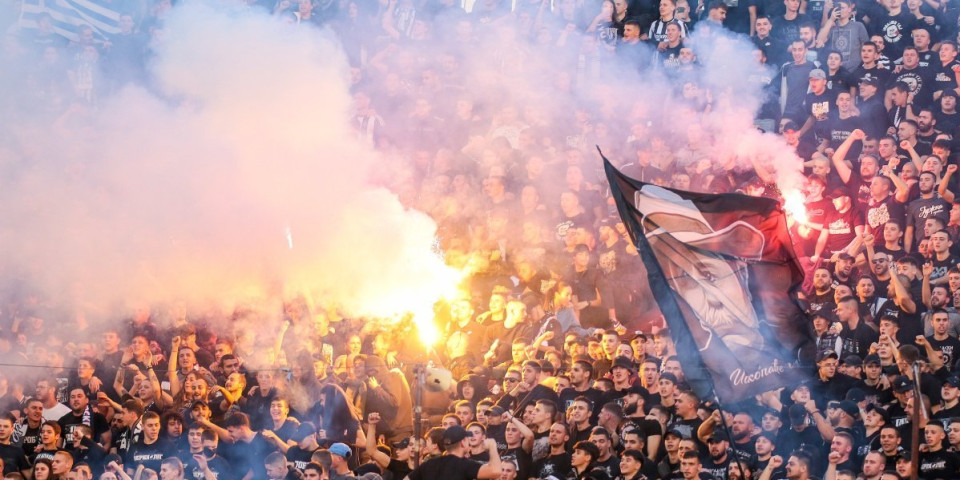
x=723 y=272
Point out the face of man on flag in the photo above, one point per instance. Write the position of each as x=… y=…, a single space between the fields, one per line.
x=707 y=268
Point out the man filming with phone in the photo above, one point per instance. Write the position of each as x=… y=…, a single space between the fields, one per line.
x=841 y=32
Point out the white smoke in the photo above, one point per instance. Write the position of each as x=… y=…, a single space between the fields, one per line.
x=198 y=193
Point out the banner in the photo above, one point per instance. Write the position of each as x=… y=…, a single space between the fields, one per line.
x=723 y=272
x=68 y=15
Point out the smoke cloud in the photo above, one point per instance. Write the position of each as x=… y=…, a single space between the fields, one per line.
x=234 y=176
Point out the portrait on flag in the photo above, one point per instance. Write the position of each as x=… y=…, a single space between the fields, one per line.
x=722 y=270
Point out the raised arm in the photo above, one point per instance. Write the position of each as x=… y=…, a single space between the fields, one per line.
x=370 y=445
x=838 y=156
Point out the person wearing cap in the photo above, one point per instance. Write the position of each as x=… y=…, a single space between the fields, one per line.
x=875 y=418
x=950 y=398
x=301 y=453
x=583 y=460
x=718 y=446
x=671 y=460
x=453 y=464
x=818 y=104
x=846 y=223
x=340 y=454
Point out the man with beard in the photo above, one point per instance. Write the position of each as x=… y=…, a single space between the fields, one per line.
x=938 y=299
x=821 y=302
x=557 y=461
x=648 y=430
x=581 y=385
x=926 y=122
x=857 y=182
x=81 y=414
x=842 y=226
x=843 y=272
x=718 y=446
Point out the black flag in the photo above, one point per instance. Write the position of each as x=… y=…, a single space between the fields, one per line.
x=723 y=271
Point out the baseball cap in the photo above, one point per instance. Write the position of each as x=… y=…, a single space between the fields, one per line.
x=718 y=436
x=622 y=362
x=873 y=407
x=872 y=359
x=871 y=80
x=853 y=361
x=827 y=354
x=340 y=449
x=901 y=384
x=818 y=74
x=675 y=432
x=401 y=444
x=849 y=407
x=953 y=381
x=306 y=429
x=455 y=434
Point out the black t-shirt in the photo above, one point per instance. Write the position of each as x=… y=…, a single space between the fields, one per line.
x=717 y=469
x=299 y=457
x=446 y=467
x=895 y=30
x=949 y=348
x=14 y=459
x=26 y=437
x=149 y=456
x=921 y=82
x=518 y=455
x=69 y=423
x=878 y=214
x=556 y=465
x=399 y=469
x=820 y=106
x=217 y=465
x=939 y=464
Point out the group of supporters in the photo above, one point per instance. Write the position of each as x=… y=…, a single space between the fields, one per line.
x=563 y=367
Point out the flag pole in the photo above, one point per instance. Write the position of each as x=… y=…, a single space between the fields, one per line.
x=723 y=423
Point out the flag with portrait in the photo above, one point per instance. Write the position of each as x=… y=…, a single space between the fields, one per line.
x=723 y=272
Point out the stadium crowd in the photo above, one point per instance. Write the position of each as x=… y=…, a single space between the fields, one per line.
x=562 y=366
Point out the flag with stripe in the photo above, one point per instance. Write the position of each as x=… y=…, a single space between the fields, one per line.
x=67 y=16
x=723 y=272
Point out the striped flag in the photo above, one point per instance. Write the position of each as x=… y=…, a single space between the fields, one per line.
x=69 y=15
